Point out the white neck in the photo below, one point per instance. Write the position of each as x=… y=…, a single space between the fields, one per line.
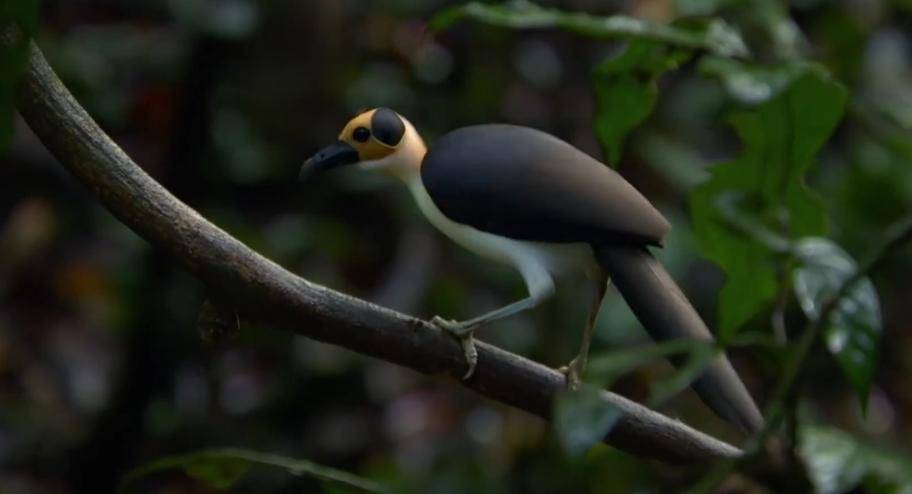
x=405 y=162
x=409 y=158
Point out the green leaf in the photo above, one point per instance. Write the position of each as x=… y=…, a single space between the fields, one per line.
x=13 y=60
x=678 y=162
x=752 y=84
x=219 y=469
x=714 y=36
x=605 y=367
x=626 y=91
x=766 y=185
x=853 y=330
x=838 y=462
x=582 y=418
x=217 y=473
x=699 y=358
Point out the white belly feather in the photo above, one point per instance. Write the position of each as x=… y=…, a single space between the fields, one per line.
x=530 y=258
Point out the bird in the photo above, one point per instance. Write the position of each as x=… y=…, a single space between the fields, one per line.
x=523 y=197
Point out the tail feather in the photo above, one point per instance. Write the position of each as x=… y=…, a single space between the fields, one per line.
x=666 y=314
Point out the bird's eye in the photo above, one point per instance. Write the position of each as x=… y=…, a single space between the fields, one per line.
x=361 y=134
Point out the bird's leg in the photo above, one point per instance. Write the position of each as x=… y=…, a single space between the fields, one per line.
x=464 y=330
x=541 y=286
x=574 y=370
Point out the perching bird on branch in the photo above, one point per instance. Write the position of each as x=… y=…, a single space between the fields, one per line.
x=523 y=197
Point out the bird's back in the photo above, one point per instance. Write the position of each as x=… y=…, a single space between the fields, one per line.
x=525 y=184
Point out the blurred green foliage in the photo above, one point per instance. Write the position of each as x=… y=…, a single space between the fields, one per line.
x=838 y=462
x=13 y=56
x=626 y=91
x=714 y=35
x=766 y=182
x=222 y=468
x=581 y=419
x=853 y=331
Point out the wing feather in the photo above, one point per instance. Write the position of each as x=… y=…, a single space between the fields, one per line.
x=529 y=185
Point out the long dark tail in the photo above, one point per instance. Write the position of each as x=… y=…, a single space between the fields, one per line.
x=666 y=314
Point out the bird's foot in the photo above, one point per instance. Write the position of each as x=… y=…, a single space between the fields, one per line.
x=464 y=333
x=572 y=372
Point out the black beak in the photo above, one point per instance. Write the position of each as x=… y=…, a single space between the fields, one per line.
x=335 y=155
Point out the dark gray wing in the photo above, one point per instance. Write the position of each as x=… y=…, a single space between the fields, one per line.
x=525 y=184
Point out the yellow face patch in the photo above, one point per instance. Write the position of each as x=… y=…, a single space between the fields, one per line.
x=359 y=135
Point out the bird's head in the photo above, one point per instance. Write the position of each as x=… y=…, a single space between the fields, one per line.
x=378 y=139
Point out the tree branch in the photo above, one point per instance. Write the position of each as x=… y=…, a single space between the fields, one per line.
x=263 y=291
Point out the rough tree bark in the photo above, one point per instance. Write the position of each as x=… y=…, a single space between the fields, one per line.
x=263 y=291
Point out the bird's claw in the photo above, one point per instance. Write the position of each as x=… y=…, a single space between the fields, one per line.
x=445 y=324
x=464 y=333
x=572 y=372
x=471 y=354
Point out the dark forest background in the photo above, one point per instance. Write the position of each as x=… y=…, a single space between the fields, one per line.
x=101 y=365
